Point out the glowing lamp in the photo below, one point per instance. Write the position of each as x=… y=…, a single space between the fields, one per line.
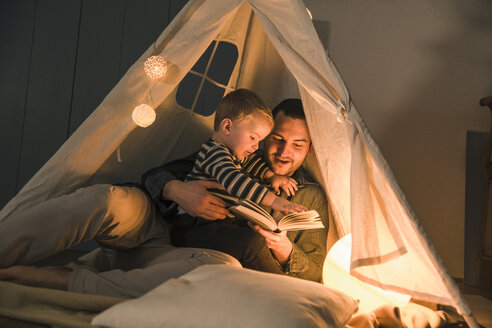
x=155 y=67
x=336 y=275
x=143 y=115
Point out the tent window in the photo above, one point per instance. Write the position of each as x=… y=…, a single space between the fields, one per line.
x=187 y=90
x=205 y=84
x=209 y=99
x=223 y=64
x=201 y=64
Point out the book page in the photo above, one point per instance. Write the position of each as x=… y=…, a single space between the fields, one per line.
x=249 y=210
x=301 y=221
x=255 y=217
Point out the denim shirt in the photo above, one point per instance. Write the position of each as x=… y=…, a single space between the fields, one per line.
x=309 y=246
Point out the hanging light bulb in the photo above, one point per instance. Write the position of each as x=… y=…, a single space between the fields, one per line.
x=155 y=67
x=143 y=115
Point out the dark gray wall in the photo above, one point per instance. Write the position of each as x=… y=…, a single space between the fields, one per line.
x=416 y=71
x=58 y=60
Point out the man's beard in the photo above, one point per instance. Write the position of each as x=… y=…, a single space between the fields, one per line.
x=281 y=165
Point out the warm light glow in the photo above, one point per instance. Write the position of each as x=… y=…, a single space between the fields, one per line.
x=336 y=275
x=309 y=13
x=155 y=67
x=143 y=115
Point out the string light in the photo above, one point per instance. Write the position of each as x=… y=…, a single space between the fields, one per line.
x=155 y=67
x=143 y=115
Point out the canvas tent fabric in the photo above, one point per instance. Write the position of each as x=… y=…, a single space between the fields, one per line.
x=280 y=56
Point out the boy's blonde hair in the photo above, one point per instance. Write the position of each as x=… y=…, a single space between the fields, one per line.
x=237 y=104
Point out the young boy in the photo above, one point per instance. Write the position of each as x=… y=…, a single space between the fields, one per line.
x=242 y=120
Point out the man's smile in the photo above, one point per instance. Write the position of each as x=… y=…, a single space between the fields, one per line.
x=282 y=160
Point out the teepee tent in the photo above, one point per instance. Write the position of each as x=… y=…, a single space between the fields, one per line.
x=279 y=56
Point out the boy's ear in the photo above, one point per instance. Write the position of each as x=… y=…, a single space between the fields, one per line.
x=226 y=126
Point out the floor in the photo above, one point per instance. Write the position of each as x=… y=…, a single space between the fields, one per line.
x=481 y=308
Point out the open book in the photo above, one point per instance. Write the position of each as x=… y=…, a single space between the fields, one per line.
x=246 y=209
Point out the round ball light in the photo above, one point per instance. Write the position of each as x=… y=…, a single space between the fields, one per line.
x=143 y=115
x=155 y=67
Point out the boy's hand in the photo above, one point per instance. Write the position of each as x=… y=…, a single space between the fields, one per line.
x=286 y=207
x=288 y=184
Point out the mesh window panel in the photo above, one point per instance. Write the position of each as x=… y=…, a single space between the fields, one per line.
x=223 y=63
x=209 y=99
x=220 y=70
x=187 y=90
x=201 y=64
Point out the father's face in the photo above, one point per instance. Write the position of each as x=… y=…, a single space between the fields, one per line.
x=287 y=145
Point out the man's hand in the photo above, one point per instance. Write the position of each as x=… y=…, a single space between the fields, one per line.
x=192 y=196
x=280 y=245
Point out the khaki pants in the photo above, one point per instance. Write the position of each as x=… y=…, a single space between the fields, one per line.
x=116 y=217
x=123 y=220
x=142 y=269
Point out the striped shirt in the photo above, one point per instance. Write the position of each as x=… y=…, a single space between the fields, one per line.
x=215 y=162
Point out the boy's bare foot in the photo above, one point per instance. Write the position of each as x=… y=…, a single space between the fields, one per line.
x=37 y=277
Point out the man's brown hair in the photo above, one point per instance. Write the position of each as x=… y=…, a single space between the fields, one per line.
x=237 y=104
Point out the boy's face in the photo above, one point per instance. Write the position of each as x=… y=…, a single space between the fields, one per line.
x=288 y=145
x=244 y=135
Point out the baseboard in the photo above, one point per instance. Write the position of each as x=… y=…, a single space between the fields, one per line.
x=473 y=289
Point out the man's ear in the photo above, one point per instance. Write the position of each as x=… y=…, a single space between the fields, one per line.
x=310 y=148
x=226 y=126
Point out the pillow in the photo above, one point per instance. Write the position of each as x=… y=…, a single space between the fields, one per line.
x=225 y=296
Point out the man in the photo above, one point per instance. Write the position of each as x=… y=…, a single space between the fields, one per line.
x=296 y=253
x=122 y=217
